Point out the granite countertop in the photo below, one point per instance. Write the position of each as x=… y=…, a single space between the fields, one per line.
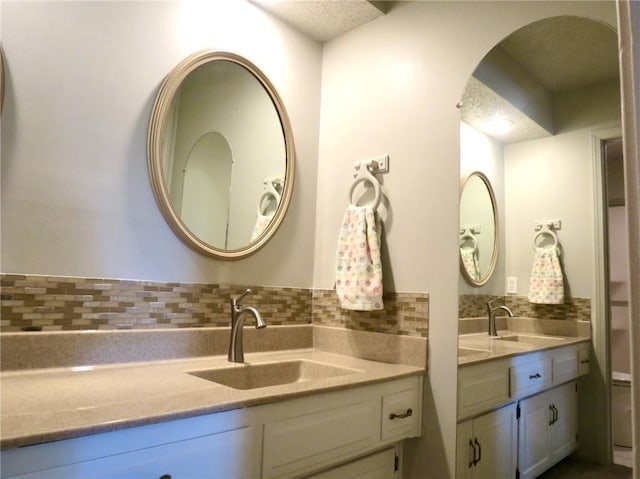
x=59 y=403
x=480 y=347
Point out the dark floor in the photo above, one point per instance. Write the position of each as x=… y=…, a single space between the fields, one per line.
x=571 y=468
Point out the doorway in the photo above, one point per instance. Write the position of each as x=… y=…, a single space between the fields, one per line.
x=617 y=300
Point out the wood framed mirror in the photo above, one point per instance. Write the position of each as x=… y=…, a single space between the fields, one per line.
x=478 y=229
x=221 y=154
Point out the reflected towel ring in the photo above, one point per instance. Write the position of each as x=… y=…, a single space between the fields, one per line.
x=545 y=230
x=365 y=175
x=269 y=192
x=467 y=236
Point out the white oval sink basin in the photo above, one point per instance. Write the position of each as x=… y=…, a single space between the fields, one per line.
x=252 y=376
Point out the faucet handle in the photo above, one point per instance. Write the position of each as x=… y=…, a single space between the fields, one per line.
x=236 y=301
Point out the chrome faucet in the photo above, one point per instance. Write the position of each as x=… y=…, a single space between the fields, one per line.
x=492 y=316
x=238 y=313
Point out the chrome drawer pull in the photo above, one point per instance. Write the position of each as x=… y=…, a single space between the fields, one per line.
x=535 y=376
x=393 y=415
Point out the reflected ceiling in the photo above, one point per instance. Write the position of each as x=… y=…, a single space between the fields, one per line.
x=549 y=57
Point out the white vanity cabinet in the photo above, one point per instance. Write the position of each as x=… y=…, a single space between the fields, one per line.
x=487 y=445
x=547 y=429
x=518 y=413
x=311 y=433
x=288 y=439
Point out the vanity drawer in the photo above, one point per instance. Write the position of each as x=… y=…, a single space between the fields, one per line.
x=208 y=457
x=308 y=441
x=529 y=378
x=400 y=415
x=482 y=387
x=565 y=365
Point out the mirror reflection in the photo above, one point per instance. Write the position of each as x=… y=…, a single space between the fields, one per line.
x=221 y=154
x=478 y=225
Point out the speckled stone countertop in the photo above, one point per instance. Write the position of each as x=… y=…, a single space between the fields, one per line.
x=40 y=405
x=480 y=347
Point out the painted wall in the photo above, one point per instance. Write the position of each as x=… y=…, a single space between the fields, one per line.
x=81 y=81
x=390 y=87
x=553 y=178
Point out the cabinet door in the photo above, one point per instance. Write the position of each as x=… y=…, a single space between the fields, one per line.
x=564 y=428
x=218 y=456
x=548 y=426
x=464 y=450
x=306 y=442
x=497 y=438
x=376 y=466
x=534 y=455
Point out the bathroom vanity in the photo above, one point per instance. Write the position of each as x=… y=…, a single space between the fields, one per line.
x=517 y=403
x=296 y=413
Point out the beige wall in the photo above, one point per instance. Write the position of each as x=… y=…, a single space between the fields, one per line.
x=75 y=193
x=391 y=87
x=81 y=81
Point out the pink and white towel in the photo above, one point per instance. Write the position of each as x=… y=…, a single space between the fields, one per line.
x=358 y=262
x=546 y=285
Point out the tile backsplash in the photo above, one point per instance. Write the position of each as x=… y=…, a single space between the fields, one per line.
x=70 y=303
x=573 y=309
x=403 y=313
x=63 y=303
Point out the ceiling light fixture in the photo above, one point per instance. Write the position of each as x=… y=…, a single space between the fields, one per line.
x=499 y=124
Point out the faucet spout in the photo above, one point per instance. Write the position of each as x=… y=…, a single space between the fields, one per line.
x=238 y=315
x=492 y=330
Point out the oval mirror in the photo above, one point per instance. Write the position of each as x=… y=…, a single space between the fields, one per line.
x=220 y=154
x=478 y=229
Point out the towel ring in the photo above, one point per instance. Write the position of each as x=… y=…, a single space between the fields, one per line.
x=365 y=175
x=467 y=236
x=545 y=231
x=269 y=192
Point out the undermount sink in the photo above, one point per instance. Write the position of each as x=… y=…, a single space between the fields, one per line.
x=253 y=376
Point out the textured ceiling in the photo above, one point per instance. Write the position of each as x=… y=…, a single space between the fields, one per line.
x=324 y=19
x=480 y=103
x=561 y=54
x=565 y=53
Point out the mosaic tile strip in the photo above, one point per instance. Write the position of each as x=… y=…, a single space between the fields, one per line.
x=474 y=305
x=65 y=303
x=573 y=309
x=403 y=314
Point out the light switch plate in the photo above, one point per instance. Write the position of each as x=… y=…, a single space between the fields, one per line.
x=512 y=285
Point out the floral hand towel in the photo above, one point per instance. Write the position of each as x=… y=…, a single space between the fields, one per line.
x=546 y=285
x=470 y=262
x=358 y=263
x=261 y=224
